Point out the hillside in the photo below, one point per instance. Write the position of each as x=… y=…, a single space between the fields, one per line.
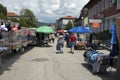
x=44 y=24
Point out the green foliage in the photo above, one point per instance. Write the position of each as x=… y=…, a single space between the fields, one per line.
x=3 y=10
x=76 y=22
x=68 y=26
x=22 y=22
x=28 y=17
x=2 y=16
x=105 y=35
x=14 y=19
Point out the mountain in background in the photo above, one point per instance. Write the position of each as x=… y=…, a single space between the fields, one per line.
x=45 y=24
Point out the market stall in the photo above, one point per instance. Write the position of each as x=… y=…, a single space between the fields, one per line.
x=100 y=60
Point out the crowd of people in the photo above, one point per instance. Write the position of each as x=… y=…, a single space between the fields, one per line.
x=9 y=26
x=69 y=39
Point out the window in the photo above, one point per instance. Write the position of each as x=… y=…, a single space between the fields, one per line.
x=95 y=9
x=106 y=4
x=99 y=7
x=108 y=23
x=110 y=3
x=118 y=4
x=113 y=20
x=102 y=5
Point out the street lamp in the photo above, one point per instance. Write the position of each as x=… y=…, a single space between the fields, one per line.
x=82 y=18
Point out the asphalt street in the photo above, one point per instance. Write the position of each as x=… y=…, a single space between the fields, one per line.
x=42 y=63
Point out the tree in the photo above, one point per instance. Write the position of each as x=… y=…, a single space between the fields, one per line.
x=2 y=16
x=107 y=33
x=28 y=17
x=69 y=25
x=3 y=10
x=100 y=36
x=77 y=22
x=22 y=22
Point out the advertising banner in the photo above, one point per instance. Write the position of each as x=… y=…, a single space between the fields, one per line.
x=95 y=20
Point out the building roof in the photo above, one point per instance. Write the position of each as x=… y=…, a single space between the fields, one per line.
x=68 y=17
x=12 y=14
x=91 y=3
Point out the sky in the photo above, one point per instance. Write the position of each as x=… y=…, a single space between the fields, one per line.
x=46 y=10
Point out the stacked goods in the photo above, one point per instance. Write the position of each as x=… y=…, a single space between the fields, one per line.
x=15 y=39
x=92 y=55
x=99 y=61
x=118 y=36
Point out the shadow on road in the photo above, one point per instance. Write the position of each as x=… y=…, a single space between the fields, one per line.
x=9 y=58
x=107 y=75
x=42 y=46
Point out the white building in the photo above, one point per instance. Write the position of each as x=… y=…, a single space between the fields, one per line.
x=61 y=23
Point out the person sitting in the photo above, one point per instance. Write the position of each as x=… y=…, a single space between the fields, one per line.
x=80 y=44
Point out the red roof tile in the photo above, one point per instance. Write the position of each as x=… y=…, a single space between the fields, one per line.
x=68 y=17
x=12 y=14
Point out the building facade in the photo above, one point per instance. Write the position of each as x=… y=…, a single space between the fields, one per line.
x=105 y=10
x=63 y=21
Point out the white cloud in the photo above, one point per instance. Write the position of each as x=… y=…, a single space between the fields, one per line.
x=46 y=10
x=55 y=6
x=49 y=11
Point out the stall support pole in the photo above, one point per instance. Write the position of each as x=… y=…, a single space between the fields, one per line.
x=118 y=36
x=1 y=65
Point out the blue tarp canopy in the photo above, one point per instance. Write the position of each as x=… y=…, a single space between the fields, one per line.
x=80 y=29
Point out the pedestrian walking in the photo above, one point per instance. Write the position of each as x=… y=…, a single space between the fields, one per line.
x=72 y=41
x=67 y=39
x=60 y=43
x=53 y=37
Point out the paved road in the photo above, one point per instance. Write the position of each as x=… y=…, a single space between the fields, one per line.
x=42 y=63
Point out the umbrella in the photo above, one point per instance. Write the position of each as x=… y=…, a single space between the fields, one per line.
x=44 y=29
x=114 y=44
x=114 y=36
x=60 y=31
x=80 y=29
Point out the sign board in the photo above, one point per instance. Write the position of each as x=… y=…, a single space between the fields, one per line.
x=85 y=21
x=95 y=24
x=95 y=20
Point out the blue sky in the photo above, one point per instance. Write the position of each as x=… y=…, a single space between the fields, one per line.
x=46 y=10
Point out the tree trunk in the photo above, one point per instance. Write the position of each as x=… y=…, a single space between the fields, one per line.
x=118 y=36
